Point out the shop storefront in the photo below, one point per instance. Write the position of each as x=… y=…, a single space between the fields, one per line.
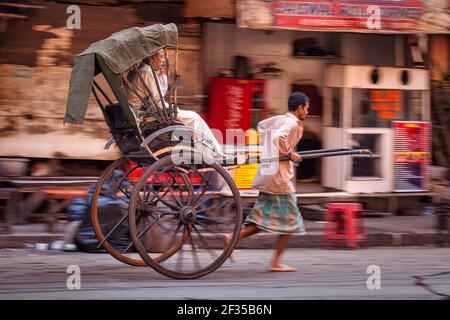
x=383 y=109
x=370 y=84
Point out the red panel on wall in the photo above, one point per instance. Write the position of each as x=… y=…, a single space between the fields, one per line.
x=235 y=103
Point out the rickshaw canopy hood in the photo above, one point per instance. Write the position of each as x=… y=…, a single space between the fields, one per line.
x=112 y=56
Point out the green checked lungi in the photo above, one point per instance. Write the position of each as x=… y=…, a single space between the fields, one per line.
x=277 y=213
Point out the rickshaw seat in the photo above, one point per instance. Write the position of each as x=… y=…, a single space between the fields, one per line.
x=124 y=133
x=117 y=118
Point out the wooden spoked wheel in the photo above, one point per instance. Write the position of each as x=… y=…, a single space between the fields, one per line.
x=189 y=216
x=109 y=212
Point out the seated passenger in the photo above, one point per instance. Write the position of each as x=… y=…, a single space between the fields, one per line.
x=157 y=61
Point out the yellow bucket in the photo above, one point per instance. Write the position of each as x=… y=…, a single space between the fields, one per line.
x=243 y=176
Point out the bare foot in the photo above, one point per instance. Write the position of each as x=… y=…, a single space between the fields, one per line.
x=281 y=268
x=227 y=240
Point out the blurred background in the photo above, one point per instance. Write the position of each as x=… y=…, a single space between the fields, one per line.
x=378 y=82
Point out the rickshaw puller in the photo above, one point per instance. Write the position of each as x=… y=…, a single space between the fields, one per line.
x=276 y=209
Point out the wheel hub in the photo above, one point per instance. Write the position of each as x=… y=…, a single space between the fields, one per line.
x=188 y=215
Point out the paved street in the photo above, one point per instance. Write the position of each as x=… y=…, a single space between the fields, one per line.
x=323 y=274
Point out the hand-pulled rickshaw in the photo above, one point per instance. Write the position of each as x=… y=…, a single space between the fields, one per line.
x=172 y=210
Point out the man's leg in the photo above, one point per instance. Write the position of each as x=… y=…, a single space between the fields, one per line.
x=276 y=266
x=247 y=231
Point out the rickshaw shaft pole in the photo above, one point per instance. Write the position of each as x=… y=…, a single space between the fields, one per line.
x=312 y=155
x=322 y=150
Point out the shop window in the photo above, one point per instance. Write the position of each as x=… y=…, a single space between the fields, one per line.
x=365 y=166
x=366 y=113
x=374 y=108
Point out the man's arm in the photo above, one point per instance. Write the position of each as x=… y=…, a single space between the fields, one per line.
x=285 y=149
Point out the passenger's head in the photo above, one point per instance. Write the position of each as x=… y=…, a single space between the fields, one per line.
x=298 y=104
x=157 y=60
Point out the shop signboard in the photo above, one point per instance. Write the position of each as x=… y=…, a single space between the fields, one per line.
x=387 y=103
x=412 y=155
x=375 y=16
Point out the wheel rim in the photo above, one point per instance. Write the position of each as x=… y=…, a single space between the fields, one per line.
x=189 y=214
